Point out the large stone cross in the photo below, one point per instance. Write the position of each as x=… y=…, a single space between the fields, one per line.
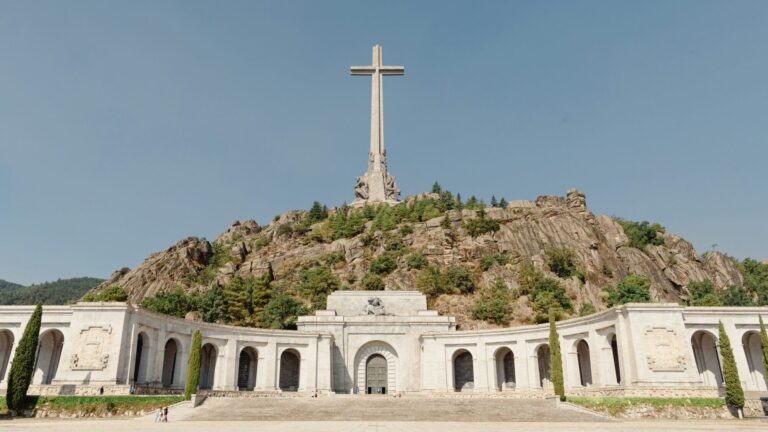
x=377 y=185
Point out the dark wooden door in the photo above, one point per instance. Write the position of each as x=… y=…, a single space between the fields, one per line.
x=376 y=375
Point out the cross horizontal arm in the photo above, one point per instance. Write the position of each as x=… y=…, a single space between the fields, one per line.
x=384 y=70
x=362 y=70
x=392 y=70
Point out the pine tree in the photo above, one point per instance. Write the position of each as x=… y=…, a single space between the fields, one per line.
x=503 y=203
x=193 y=366
x=23 y=364
x=556 y=362
x=316 y=213
x=436 y=188
x=237 y=300
x=734 y=394
x=494 y=203
x=764 y=343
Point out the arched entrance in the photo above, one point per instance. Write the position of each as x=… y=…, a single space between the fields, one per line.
x=543 y=359
x=290 y=363
x=505 y=369
x=753 y=351
x=463 y=371
x=376 y=375
x=170 y=363
x=207 y=366
x=6 y=346
x=48 y=356
x=704 y=347
x=585 y=364
x=142 y=359
x=246 y=369
x=384 y=372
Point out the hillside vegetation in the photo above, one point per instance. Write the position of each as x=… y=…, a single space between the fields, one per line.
x=489 y=266
x=58 y=292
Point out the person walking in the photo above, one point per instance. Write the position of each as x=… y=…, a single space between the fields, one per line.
x=165 y=415
x=158 y=415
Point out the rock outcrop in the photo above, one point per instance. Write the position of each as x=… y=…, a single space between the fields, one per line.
x=527 y=229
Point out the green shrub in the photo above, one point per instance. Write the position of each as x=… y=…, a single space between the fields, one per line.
x=587 y=309
x=527 y=278
x=549 y=297
x=281 y=312
x=406 y=230
x=383 y=264
x=562 y=262
x=193 y=366
x=641 y=234
x=736 y=295
x=430 y=281
x=334 y=257
x=631 y=289
x=734 y=394
x=416 y=261
x=493 y=305
x=556 y=362
x=175 y=303
x=703 y=294
x=213 y=305
x=284 y=229
x=487 y=261
x=755 y=276
x=112 y=293
x=22 y=367
x=480 y=225
x=394 y=244
x=260 y=243
x=372 y=282
x=316 y=283
x=458 y=280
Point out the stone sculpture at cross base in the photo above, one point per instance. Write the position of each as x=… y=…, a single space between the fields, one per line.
x=376 y=185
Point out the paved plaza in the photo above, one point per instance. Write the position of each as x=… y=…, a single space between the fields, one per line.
x=376 y=426
x=377 y=414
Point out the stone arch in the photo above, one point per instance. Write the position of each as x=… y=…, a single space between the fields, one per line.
x=361 y=362
x=613 y=342
x=142 y=359
x=290 y=370
x=48 y=356
x=6 y=346
x=753 y=351
x=208 y=354
x=463 y=370
x=171 y=363
x=247 y=368
x=704 y=345
x=584 y=362
x=505 y=368
x=544 y=361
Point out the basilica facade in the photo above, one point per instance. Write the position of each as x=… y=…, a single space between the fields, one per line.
x=388 y=343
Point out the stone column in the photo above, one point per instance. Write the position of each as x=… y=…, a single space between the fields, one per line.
x=228 y=362
x=268 y=366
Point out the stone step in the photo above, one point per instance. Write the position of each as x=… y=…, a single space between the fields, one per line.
x=384 y=408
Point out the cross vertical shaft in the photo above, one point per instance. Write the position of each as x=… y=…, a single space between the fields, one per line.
x=377 y=185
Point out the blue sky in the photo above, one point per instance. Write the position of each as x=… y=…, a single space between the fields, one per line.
x=127 y=126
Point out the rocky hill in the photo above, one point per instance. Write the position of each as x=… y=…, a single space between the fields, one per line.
x=57 y=292
x=436 y=231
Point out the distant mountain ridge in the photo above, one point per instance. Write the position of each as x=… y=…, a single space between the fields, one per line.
x=58 y=292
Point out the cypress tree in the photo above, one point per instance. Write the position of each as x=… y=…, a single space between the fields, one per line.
x=193 y=366
x=23 y=364
x=556 y=361
x=734 y=394
x=764 y=344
